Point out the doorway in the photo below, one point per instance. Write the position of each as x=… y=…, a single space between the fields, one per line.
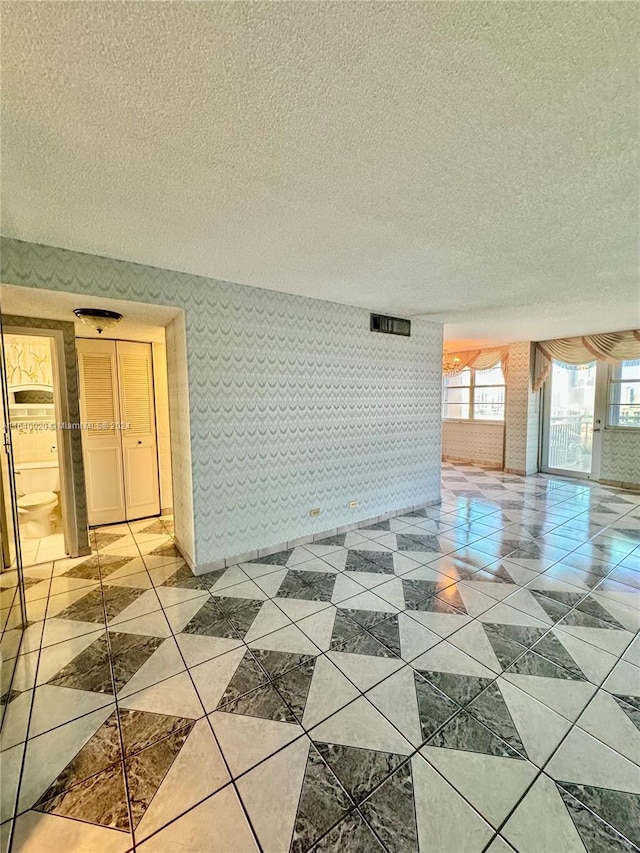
x=34 y=413
x=572 y=420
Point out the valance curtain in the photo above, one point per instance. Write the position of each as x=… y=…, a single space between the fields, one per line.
x=613 y=346
x=479 y=359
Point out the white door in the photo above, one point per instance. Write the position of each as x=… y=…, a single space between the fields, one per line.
x=139 y=448
x=101 y=444
x=121 y=464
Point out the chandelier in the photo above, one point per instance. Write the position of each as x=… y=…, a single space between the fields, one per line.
x=450 y=363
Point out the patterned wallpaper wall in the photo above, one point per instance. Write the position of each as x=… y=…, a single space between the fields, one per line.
x=293 y=402
x=472 y=441
x=522 y=413
x=620 y=460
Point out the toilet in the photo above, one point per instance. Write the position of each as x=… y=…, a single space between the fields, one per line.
x=37 y=484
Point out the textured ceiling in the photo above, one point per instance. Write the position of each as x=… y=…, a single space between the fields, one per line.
x=474 y=162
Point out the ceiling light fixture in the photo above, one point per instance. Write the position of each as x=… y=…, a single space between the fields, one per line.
x=450 y=364
x=97 y=318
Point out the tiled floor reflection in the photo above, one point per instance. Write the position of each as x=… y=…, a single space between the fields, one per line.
x=461 y=678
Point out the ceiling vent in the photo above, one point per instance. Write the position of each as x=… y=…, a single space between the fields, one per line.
x=390 y=325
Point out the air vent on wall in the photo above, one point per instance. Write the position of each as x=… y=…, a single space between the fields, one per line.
x=390 y=325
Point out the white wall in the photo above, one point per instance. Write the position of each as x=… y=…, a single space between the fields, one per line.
x=162 y=425
x=474 y=442
x=293 y=403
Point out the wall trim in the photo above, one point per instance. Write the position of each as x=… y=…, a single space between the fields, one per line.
x=466 y=461
x=248 y=556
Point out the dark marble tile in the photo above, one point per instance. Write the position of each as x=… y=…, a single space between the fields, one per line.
x=146 y=770
x=362 y=643
x=264 y=702
x=279 y=559
x=352 y=834
x=497 y=575
x=388 y=632
x=413 y=542
x=631 y=709
x=210 y=622
x=532 y=664
x=100 y=799
x=380 y=525
x=437 y=604
x=168 y=550
x=417 y=591
x=597 y=835
x=619 y=809
x=461 y=688
x=346 y=626
x=434 y=707
x=243 y=618
x=363 y=618
x=551 y=648
x=276 y=663
x=381 y=560
x=357 y=562
x=128 y=653
x=554 y=608
x=294 y=686
x=323 y=804
x=390 y=811
x=92 y=607
x=337 y=540
x=359 y=770
x=102 y=539
x=309 y=586
x=155 y=527
x=464 y=732
x=594 y=608
x=417 y=513
x=185 y=579
x=490 y=708
x=578 y=619
x=90 y=670
x=100 y=751
x=247 y=677
x=142 y=728
x=510 y=641
x=96 y=567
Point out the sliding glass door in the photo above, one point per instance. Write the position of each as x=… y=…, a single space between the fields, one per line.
x=572 y=420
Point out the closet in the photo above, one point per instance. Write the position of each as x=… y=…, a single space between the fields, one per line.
x=119 y=430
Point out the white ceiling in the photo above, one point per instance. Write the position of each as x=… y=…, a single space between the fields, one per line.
x=139 y=322
x=476 y=163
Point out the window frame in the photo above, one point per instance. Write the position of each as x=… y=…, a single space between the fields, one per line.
x=611 y=384
x=472 y=387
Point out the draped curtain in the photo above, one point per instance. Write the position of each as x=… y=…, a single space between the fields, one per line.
x=479 y=359
x=613 y=346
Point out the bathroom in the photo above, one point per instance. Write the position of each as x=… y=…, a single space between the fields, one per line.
x=30 y=367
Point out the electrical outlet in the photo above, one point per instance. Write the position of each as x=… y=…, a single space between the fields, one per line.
x=314 y=513
x=353 y=504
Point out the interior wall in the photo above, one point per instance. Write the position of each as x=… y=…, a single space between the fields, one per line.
x=293 y=402
x=473 y=442
x=620 y=460
x=71 y=437
x=522 y=412
x=161 y=395
x=180 y=419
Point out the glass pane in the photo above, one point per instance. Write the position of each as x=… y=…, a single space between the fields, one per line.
x=624 y=393
x=627 y=369
x=571 y=416
x=488 y=404
x=490 y=377
x=462 y=378
x=456 y=395
x=456 y=410
x=626 y=416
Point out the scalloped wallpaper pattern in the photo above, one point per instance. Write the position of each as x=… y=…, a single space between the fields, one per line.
x=293 y=402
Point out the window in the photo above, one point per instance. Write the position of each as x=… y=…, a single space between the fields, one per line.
x=624 y=395
x=474 y=395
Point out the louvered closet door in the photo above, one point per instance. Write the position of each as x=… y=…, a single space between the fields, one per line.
x=139 y=449
x=102 y=450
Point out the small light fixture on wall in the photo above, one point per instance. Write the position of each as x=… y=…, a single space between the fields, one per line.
x=450 y=363
x=98 y=318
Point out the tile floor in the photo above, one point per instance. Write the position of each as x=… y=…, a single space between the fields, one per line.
x=43 y=550
x=462 y=678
